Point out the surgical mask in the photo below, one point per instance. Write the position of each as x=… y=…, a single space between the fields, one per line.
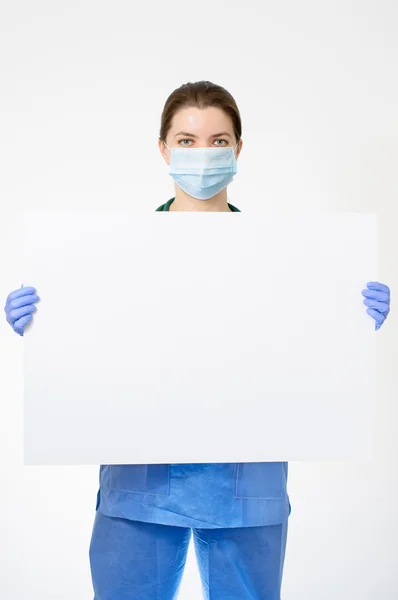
x=203 y=172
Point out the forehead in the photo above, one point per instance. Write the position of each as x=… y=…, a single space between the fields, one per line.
x=203 y=121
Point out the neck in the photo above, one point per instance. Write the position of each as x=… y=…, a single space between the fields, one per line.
x=184 y=202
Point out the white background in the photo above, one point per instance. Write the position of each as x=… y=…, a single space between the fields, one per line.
x=82 y=86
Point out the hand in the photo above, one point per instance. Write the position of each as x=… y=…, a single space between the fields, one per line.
x=19 y=308
x=377 y=298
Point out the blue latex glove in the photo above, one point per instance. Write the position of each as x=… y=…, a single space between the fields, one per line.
x=377 y=299
x=19 y=308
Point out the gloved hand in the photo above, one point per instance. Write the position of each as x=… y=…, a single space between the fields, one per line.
x=377 y=298
x=19 y=308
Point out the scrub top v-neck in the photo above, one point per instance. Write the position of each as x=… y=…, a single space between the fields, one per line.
x=166 y=207
x=204 y=495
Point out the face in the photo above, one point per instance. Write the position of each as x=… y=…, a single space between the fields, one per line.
x=198 y=128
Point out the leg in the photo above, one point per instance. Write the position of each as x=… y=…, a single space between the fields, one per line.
x=132 y=559
x=241 y=563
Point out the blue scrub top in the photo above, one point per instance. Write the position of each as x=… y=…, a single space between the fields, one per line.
x=204 y=495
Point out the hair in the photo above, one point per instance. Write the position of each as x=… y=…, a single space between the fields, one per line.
x=201 y=94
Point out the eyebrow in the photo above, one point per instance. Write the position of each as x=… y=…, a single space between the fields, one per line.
x=196 y=136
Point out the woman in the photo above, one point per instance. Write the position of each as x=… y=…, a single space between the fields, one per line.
x=238 y=513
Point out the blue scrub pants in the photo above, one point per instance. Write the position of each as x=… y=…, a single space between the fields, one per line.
x=145 y=561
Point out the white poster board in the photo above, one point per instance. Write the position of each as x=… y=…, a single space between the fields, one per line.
x=192 y=337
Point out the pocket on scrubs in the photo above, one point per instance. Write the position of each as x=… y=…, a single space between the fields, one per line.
x=259 y=480
x=140 y=479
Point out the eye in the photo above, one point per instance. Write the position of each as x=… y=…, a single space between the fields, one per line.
x=226 y=143
x=186 y=140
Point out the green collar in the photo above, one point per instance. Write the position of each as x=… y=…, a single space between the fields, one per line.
x=168 y=203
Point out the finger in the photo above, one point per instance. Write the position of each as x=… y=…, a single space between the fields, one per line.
x=19 y=313
x=22 y=301
x=375 y=285
x=21 y=323
x=376 y=316
x=382 y=307
x=19 y=293
x=376 y=295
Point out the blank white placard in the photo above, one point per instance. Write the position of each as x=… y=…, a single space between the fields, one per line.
x=192 y=337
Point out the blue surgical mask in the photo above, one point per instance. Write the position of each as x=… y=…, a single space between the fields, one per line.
x=203 y=172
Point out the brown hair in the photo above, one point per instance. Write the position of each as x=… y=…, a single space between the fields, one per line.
x=200 y=94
